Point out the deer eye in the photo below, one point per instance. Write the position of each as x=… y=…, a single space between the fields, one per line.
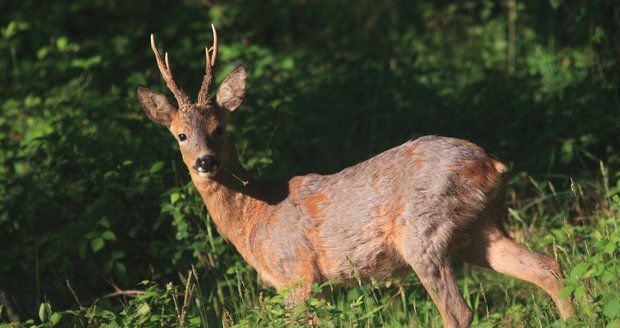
x=182 y=137
x=219 y=131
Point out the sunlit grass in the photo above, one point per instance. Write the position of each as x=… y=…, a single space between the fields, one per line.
x=580 y=232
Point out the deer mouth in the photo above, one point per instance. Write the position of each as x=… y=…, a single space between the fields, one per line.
x=210 y=173
x=203 y=173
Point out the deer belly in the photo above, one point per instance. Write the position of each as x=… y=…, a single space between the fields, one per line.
x=282 y=254
x=358 y=257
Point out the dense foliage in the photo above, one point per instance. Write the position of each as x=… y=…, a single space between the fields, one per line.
x=94 y=199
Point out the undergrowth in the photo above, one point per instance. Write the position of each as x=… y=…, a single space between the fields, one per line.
x=578 y=230
x=99 y=225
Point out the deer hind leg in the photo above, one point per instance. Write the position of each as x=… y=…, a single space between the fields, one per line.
x=435 y=273
x=502 y=254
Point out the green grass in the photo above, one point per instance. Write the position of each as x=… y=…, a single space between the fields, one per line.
x=96 y=197
x=581 y=232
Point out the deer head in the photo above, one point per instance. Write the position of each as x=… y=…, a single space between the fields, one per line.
x=199 y=127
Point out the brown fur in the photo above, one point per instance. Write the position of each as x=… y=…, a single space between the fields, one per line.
x=314 y=205
x=412 y=205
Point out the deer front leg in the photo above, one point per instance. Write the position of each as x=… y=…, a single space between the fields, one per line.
x=298 y=293
x=438 y=280
x=435 y=274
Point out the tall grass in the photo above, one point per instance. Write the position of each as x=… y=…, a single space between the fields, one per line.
x=575 y=222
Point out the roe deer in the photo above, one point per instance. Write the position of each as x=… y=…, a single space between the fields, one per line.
x=412 y=205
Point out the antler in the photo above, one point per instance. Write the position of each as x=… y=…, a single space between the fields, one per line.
x=166 y=73
x=210 y=67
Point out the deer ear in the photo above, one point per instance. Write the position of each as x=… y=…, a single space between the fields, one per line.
x=232 y=91
x=155 y=105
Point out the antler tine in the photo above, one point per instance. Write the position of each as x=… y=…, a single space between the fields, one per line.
x=210 y=65
x=166 y=73
x=214 y=45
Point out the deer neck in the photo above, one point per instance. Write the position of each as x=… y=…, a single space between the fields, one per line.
x=224 y=195
x=234 y=206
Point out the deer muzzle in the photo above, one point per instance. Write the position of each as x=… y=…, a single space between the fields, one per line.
x=206 y=165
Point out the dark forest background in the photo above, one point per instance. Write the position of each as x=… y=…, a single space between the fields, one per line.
x=94 y=195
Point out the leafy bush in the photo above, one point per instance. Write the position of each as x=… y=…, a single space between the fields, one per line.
x=94 y=196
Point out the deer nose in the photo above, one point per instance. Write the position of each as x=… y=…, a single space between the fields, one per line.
x=206 y=164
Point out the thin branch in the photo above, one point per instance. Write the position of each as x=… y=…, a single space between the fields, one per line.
x=129 y=292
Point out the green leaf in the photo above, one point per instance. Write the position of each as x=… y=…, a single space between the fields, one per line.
x=44 y=309
x=579 y=270
x=108 y=235
x=555 y=4
x=104 y=222
x=559 y=235
x=566 y=291
x=156 y=167
x=567 y=152
x=136 y=78
x=580 y=291
x=97 y=244
x=612 y=309
x=288 y=63
x=614 y=324
x=120 y=269
x=610 y=248
x=144 y=309
x=596 y=270
x=174 y=197
x=86 y=63
x=42 y=53
x=608 y=277
x=117 y=255
x=55 y=318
